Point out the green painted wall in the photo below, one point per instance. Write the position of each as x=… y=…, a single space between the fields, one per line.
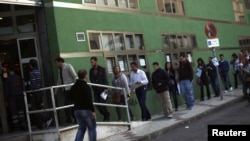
x=63 y=23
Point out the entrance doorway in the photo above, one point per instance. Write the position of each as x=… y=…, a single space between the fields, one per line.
x=16 y=53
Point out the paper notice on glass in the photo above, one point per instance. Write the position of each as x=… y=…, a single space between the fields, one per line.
x=142 y=62
x=104 y=95
x=133 y=87
x=198 y=72
x=168 y=58
x=122 y=66
x=178 y=87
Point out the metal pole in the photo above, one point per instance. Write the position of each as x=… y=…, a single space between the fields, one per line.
x=126 y=103
x=218 y=74
x=27 y=113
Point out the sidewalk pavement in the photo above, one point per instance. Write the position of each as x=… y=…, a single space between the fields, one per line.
x=159 y=125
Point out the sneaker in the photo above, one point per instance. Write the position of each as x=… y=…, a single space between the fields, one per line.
x=231 y=88
x=170 y=116
x=48 y=122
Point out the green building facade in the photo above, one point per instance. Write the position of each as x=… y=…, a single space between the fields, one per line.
x=121 y=31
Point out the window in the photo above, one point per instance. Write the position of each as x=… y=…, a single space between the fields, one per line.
x=247 y=4
x=114 y=41
x=171 y=6
x=173 y=41
x=238 y=11
x=26 y=23
x=130 y=4
x=6 y=26
x=176 y=44
x=244 y=41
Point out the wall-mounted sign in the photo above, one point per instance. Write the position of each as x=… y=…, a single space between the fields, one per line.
x=213 y=42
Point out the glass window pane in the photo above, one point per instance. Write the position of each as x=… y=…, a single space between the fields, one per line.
x=6 y=26
x=160 y=5
x=175 y=61
x=119 y=41
x=169 y=6
x=27 y=48
x=90 y=1
x=5 y=8
x=133 y=4
x=129 y=42
x=179 y=41
x=139 y=43
x=123 y=63
x=101 y=2
x=26 y=23
x=123 y=3
x=107 y=41
x=131 y=58
x=173 y=44
x=94 y=41
x=23 y=7
x=110 y=64
x=113 y=3
x=166 y=41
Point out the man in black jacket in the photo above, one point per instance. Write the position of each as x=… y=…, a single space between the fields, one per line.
x=80 y=93
x=97 y=74
x=160 y=81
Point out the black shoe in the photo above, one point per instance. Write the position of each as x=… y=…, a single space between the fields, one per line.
x=106 y=119
x=132 y=118
x=208 y=98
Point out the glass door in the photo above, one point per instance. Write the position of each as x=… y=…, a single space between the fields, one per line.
x=27 y=49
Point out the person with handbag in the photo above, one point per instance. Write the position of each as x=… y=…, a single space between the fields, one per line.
x=119 y=96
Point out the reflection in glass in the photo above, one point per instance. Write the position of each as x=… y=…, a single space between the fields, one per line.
x=6 y=26
x=129 y=41
x=165 y=40
x=94 y=41
x=122 y=60
x=139 y=44
x=27 y=48
x=107 y=41
x=26 y=23
x=119 y=41
x=110 y=64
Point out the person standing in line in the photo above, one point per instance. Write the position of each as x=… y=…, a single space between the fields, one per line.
x=120 y=80
x=36 y=98
x=160 y=81
x=14 y=96
x=81 y=95
x=66 y=75
x=203 y=79
x=224 y=70
x=185 y=79
x=172 y=85
x=139 y=79
x=97 y=75
x=234 y=61
x=212 y=73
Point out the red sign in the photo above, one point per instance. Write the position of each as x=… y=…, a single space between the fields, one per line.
x=210 y=30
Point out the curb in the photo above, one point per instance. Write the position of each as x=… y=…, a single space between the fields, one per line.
x=155 y=134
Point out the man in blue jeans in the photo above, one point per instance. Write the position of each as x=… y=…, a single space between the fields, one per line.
x=224 y=69
x=185 y=81
x=81 y=95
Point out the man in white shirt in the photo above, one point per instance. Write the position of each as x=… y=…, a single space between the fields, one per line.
x=139 y=81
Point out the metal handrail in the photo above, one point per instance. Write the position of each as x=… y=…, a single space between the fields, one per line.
x=54 y=108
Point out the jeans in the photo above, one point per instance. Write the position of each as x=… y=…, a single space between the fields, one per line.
x=187 y=92
x=226 y=81
x=141 y=97
x=85 y=120
x=215 y=85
